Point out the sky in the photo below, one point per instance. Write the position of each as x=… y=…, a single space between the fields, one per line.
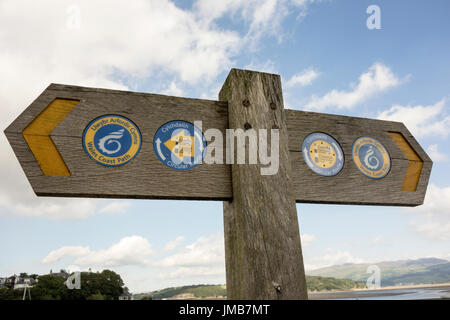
x=330 y=61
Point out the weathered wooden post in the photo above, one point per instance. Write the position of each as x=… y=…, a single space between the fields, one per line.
x=61 y=139
x=262 y=240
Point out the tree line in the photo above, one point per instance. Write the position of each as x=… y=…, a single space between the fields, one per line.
x=105 y=285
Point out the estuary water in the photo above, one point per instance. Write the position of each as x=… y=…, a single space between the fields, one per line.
x=424 y=293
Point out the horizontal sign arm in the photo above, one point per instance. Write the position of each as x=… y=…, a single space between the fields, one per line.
x=145 y=176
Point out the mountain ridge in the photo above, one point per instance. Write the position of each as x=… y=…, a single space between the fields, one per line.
x=392 y=273
x=202 y=291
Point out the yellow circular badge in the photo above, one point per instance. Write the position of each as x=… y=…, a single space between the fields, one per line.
x=371 y=157
x=323 y=154
x=112 y=140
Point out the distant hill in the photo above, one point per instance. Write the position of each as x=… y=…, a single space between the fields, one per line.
x=316 y=283
x=200 y=291
x=393 y=273
x=220 y=291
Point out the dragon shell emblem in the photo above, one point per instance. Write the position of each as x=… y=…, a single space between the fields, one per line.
x=112 y=140
x=371 y=157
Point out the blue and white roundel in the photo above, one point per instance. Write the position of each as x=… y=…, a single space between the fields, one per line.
x=371 y=157
x=323 y=154
x=179 y=145
x=112 y=140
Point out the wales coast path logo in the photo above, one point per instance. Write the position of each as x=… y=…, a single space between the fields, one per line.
x=322 y=154
x=179 y=145
x=112 y=140
x=371 y=157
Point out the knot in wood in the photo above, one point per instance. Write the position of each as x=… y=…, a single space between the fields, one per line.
x=273 y=105
x=246 y=103
x=247 y=126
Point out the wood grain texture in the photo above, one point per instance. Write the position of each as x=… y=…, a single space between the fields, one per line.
x=262 y=239
x=143 y=177
x=350 y=186
x=37 y=135
x=146 y=177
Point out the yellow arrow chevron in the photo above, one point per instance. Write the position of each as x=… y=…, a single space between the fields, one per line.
x=415 y=164
x=37 y=135
x=181 y=143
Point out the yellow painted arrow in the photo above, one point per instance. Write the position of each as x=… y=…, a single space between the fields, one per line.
x=415 y=164
x=181 y=145
x=37 y=135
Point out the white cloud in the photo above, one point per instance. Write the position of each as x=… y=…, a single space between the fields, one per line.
x=435 y=154
x=40 y=48
x=115 y=207
x=52 y=208
x=261 y=16
x=203 y=257
x=185 y=272
x=378 y=240
x=330 y=258
x=432 y=219
x=47 y=41
x=173 y=90
x=430 y=120
x=304 y=78
x=203 y=252
x=68 y=251
x=267 y=66
x=17 y=198
x=307 y=239
x=377 y=79
x=171 y=245
x=132 y=250
x=213 y=92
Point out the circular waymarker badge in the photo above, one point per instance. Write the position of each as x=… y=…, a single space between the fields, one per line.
x=112 y=140
x=371 y=157
x=179 y=145
x=323 y=154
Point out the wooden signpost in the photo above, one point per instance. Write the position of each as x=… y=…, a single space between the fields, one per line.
x=86 y=142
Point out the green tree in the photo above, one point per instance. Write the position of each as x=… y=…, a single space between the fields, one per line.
x=49 y=287
x=96 y=296
x=10 y=294
x=106 y=285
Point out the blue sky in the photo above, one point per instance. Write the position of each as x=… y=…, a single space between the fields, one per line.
x=329 y=62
